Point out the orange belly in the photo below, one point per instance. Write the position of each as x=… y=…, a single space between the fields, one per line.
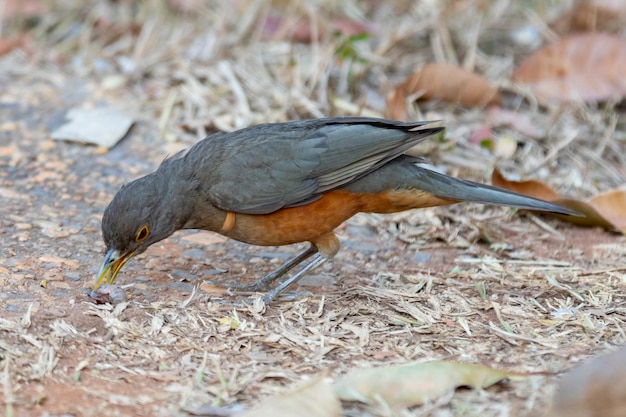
x=314 y=220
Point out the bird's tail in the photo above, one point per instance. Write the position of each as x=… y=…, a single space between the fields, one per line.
x=416 y=186
x=457 y=189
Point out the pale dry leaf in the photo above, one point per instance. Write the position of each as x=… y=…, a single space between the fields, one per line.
x=585 y=67
x=413 y=384
x=315 y=399
x=101 y=126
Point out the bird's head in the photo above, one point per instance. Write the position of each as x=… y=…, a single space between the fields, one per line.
x=142 y=213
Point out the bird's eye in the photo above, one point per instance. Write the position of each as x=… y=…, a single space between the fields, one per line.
x=142 y=234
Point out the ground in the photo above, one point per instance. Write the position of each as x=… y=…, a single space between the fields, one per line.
x=468 y=283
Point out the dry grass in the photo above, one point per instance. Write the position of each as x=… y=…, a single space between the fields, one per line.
x=518 y=292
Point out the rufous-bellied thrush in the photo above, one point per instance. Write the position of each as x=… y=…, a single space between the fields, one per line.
x=282 y=183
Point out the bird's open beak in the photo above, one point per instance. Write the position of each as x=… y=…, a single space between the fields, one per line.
x=112 y=264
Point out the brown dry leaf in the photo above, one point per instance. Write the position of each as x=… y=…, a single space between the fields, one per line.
x=596 y=388
x=412 y=384
x=314 y=399
x=588 y=16
x=607 y=210
x=442 y=82
x=585 y=67
x=612 y=205
x=530 y=188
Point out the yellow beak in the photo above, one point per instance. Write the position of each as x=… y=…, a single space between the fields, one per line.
x=111 y=265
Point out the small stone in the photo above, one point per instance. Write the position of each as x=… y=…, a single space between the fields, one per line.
x=255 y=260
x=274 y=255
x=183 y=275
x=194 y=254
x=317 y=281
x=421 y=257
x=212 y=272
x=181 y=286
x=73 y=276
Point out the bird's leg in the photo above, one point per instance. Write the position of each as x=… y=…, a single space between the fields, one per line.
x=317 y=260
x=324 y=247
x=264 y=283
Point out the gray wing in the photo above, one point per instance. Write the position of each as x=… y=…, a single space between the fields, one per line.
x=264 y=168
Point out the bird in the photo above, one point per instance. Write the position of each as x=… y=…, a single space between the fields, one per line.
x=276 y=184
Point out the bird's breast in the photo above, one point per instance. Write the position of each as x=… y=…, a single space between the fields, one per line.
x=293 y=224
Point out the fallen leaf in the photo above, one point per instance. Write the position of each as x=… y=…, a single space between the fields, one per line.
x=101 y=126
x=595 y=388
x=586 y=67
x=530 y=188
x=314 y=399
x=444 y=82
x=606 y=210
x=413 y=384
x=588 y=16
x=612 y=206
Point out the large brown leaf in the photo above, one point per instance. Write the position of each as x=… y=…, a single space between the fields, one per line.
x=607 y=210
x=585 y=67
x=443 y=82
x=595 y=388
